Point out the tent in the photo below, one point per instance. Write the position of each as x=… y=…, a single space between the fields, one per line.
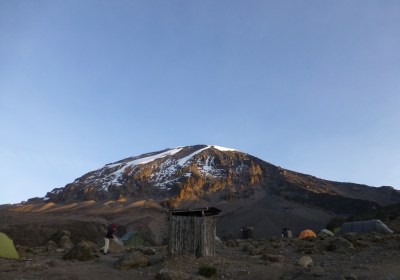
x=366 y=226
x=7 y=249
x=308 y=233
x=325 y=233
x=132 y=239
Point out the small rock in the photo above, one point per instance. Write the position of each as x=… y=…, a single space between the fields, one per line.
x=305 y=261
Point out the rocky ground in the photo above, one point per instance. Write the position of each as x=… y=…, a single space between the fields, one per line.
x=352 y=256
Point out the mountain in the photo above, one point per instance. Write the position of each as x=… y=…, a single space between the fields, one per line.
x=180 y=173
x=250 y=191
x=197 y=172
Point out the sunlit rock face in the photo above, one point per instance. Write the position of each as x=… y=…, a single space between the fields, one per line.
x=182 y=172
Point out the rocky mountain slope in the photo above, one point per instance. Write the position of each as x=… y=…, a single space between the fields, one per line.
x=137 y=191
x=183 y=173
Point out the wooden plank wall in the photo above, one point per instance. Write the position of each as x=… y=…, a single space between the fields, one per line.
x=192 y=235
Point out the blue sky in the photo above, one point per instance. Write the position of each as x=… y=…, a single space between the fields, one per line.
x=312 y=86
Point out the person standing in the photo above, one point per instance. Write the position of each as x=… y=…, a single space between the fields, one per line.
x=109 y=235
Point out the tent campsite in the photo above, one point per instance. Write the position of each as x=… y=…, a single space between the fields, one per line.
x=7 y=249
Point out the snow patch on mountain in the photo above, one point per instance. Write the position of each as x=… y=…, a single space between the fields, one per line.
x=147 y=159
x=223 y=149
x=164 y=172
x=182 y=161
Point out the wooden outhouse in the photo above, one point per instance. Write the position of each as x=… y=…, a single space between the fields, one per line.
x=193 y=231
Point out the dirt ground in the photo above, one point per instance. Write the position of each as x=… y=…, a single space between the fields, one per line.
x=349 y=257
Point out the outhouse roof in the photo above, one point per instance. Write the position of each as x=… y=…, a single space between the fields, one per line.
x=206 y=211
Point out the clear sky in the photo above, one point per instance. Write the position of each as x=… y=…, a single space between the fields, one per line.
x=310 y=85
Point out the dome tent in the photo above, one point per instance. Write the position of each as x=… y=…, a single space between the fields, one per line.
x=308 y=233
x=366 y=226
x=7 y=249
x=132 y=239
x=325 y=233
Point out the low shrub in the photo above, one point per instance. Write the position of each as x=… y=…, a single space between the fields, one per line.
x=207 y=271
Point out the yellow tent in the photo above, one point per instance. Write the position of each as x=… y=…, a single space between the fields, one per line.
x=7 y=249
x=307 y=233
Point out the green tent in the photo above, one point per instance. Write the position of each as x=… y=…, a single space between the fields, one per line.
x=132 y=239
x=7 y=249
x=366 y=226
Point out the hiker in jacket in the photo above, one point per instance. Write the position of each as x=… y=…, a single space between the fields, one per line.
x=110 y=235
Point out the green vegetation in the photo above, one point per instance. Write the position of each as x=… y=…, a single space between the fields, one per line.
x=207 y=271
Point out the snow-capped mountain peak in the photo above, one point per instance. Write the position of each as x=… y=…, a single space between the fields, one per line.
x=165 y=170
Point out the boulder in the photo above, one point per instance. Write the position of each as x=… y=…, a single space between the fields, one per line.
x=83 y=251
x=132 y=260
x=51 y=246
x=65 y=242
x=60 y=233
